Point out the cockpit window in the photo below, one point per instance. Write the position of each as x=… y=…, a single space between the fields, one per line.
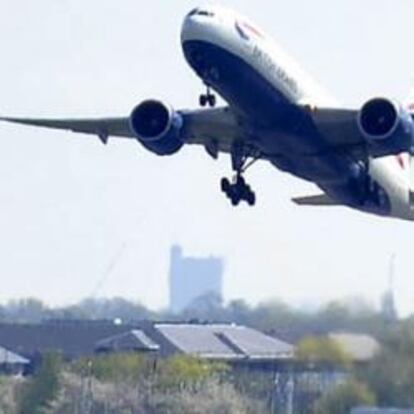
x=199 y=12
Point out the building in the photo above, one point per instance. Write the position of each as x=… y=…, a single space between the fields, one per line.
x=135 y=340
x=73 y=339
x=191 y=278
x=237 y=345
x=12 y=364
x=234 y=344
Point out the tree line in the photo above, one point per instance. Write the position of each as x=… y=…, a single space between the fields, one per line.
x=274 y=317
x=133 y=383
x=386 y=381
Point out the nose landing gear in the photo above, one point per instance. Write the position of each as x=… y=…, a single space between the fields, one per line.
x=208 y=99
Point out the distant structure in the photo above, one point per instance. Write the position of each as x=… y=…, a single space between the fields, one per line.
x=237 y=345
x=192 y=277
x=388 y=308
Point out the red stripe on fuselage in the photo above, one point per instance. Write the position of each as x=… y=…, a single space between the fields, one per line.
x=400 y=160
x=252 y=29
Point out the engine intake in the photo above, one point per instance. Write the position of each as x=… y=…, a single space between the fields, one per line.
x=157 y=127
x=380 y=119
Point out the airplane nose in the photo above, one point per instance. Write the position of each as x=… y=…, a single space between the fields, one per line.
x=198 y=23
x=191 y=27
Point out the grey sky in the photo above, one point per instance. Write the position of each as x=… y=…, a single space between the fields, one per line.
x=68 y=204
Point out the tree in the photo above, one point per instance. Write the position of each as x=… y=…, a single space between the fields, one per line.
x=273 y=315
x=182 y=371
x=214 y=397
x=112 y=309
x=239 y=312
x=26 y=311
x=39 y=392
x=8 y=390
x=322 y=350
x=343 y=398
x=125 y=367
x=206 y=307
x=391 y=373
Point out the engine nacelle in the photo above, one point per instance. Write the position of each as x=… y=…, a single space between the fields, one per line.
x=157 y=127
x=384 y=122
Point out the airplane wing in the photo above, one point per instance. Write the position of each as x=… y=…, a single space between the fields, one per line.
x=215 y=129
x=102 y=127
x=315 y=200
x=338 y=126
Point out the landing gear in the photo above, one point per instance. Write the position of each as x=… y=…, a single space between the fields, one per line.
x=208 y=99
x=238 y=190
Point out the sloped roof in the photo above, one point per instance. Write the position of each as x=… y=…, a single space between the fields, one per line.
x=135 y=340
x=73 y=339
x=10 y=358
x=218 y=341
x=77 y=339
x=359 y=347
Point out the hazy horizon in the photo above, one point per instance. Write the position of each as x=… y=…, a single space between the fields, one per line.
x=352 y=303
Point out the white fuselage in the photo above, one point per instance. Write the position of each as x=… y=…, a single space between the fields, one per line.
x=236 y=34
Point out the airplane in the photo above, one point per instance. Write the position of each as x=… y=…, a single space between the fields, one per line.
x=274 y=112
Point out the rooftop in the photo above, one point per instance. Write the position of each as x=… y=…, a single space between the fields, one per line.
x=10 y=358
x=211 y=341
x=360 y=347
x=221 y=341
x=134 y=340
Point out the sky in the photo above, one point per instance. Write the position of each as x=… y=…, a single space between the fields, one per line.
x=80 y=219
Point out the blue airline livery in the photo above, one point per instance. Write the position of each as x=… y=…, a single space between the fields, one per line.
x=275 y=112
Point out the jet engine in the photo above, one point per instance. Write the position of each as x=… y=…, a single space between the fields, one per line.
x=382 y=121
x=157 y=127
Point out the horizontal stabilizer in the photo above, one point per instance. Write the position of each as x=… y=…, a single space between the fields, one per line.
x=315 y=200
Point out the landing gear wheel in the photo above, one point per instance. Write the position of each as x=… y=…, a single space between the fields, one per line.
x=208 y=98
x=242 y=157
x=251 y=198
x=225 y=185
x=203 y=100
x=235 y=199
x=212 y=100
x=238 y=191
